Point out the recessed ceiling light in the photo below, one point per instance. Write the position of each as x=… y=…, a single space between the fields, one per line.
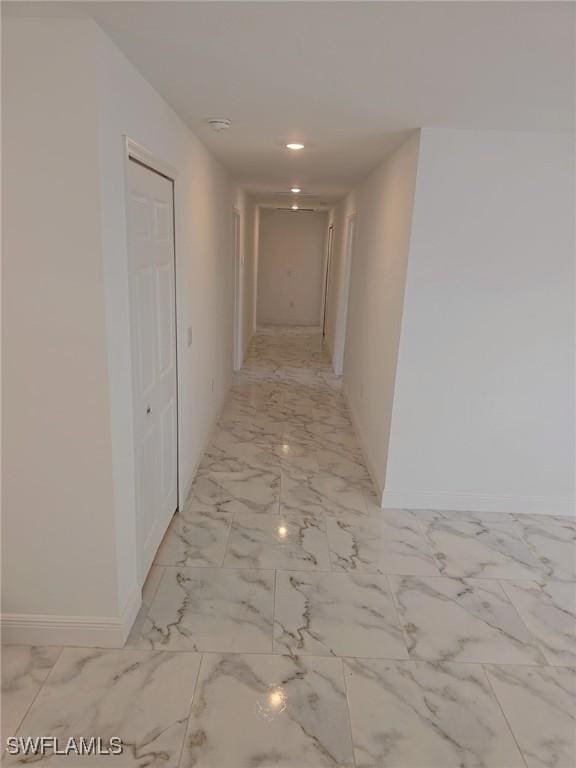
x=219 y=124
x=294 y=146
x=295 y=190
x=294 y=207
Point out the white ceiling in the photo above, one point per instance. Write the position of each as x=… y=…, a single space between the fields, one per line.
x=348 y=79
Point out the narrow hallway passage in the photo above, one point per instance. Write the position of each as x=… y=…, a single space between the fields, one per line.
x=216 y=552
x=289 y=621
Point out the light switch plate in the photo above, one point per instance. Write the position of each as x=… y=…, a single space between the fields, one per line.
x=189 y=336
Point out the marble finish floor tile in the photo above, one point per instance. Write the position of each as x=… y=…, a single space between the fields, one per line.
x=553 y=541
x=259 y=428
x=466 y=516
x=540 y=706
x=345 y=463
x=339 y=614
x=322 y=436
x=238 y=457
x=237 y=409
x=563 y=520
x=280 y=560
x=24 y=670
x=485 y=550
x=462 y=620
x=294 y=457
x=250 y=491
x=292 y=541
x=210 y=609
x=426 y=715
x=549 y=611
x=142 y=697
x=321 y=493
x=268 y=711
x=199 y=539
x=389 y=543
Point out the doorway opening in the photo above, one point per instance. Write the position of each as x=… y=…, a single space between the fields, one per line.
x=342 y=317
x=327 y=276
x=238 y=280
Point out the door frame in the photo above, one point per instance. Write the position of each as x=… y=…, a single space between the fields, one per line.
x=133 y=151
x=238 y=341
x=342 y=317
x=329 y=250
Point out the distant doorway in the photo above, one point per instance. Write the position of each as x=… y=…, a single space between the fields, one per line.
x=342 y=318
x=238 y=277
x=327 y=276
x=291 y=264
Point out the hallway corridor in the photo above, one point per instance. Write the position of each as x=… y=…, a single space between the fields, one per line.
x=289 y=622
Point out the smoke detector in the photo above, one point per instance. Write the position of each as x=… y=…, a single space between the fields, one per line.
x=219 y=124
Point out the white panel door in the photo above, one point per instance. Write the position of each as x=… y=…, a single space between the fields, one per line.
x=152 y=295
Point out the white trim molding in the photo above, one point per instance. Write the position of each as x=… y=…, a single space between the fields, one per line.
x=86 y=631
x=143 y=155
x=365 y=454
x=478 y=502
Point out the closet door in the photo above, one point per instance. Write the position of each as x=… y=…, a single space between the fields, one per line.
x=153 y=318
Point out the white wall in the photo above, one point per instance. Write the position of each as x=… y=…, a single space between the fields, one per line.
x=204 y=204
x=383 y=204
x=291 y=267
x=58 y=494
x=69 y=512
x=484 y=406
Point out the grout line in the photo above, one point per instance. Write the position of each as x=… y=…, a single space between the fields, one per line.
x=187 y=729
x=160 y=580
x=487 y=676
x=332 y=569
x=377 y=572
x=348 y=709
x=423 y=532
x=162 y=567
x=390 y=659
x=228 y=537
x=535 y=642
x=405 y=636
x=29 y=708
x=274 y=613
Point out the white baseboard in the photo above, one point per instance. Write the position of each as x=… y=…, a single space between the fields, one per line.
x=478 y=502
x=365 y=454
x=471 y=502
x=187 y=486
x=86 y=631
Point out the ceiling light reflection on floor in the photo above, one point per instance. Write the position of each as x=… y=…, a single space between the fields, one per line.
x=273 y=703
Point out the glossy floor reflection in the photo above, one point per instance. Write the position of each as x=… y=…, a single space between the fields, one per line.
x=289 y=621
